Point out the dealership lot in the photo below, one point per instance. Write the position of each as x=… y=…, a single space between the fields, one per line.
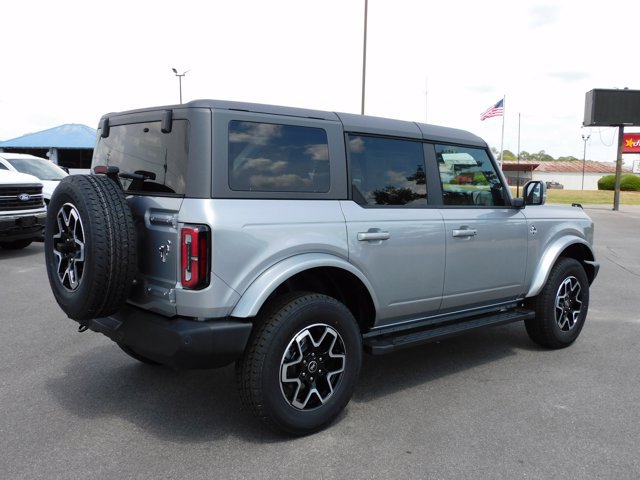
x=485 y=405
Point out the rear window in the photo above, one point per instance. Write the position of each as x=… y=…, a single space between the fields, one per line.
x=157 y=160
x=270 y=157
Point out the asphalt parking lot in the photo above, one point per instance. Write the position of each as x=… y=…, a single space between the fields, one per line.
x=485 y=405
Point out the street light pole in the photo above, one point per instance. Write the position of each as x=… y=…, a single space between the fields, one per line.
x=585 y=138
x=364 y=55
x=180 y=75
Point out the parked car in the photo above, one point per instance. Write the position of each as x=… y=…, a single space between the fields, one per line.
x=290 y=241
x=22 y=210
x=49 y=173
x=555 y=185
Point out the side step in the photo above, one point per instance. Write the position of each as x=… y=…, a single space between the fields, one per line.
x=383 y=344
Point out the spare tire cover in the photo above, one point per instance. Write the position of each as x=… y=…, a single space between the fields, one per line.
x=90 y=246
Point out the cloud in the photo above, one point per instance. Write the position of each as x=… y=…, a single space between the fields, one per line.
x=317 y=152
x=264 y=165
x=356 y=145
x=255 y=133
x=570 y=76
x=543 y=15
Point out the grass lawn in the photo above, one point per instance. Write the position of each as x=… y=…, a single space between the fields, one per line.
x=589 y=197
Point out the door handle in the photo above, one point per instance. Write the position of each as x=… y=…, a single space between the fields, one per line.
x=465 y=232
x=373 y=236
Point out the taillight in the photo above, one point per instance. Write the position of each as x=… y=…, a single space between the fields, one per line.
x=194 y=246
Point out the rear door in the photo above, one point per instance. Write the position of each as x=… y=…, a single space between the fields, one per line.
x=395 y=237
x=153 y=166
x=486 y=240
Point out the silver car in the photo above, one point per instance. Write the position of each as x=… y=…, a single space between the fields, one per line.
x=291 y=241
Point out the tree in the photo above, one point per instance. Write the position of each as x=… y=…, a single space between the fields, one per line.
x=508 y=155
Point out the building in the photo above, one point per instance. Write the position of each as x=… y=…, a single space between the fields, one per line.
x=69 y=145
x=572 y=175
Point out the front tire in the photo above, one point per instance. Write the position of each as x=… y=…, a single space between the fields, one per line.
x=561 y=307
x=302 y=363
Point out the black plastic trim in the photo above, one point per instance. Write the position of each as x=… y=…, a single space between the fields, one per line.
x=178 y=342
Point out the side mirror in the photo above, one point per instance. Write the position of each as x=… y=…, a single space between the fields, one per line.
x=534 y=193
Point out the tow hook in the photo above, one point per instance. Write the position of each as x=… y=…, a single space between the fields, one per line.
x=82 y=328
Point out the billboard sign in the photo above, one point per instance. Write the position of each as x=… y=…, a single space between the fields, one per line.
x=631 y=143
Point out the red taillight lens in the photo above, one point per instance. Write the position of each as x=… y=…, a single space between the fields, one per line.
x=195 y=246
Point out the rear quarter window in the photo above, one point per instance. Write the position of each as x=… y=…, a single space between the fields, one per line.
x=270 y=157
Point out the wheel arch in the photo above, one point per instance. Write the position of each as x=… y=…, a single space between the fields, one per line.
x=313 y=272
x=570 y=247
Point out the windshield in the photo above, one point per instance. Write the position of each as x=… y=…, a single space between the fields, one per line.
x=38 y=167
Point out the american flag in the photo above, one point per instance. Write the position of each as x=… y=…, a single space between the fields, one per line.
x=494 y=110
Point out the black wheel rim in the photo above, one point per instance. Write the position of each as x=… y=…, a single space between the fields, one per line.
x=568 y=304
x=68 y=247
x=312 y=367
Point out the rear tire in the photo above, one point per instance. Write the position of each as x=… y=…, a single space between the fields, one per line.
x=90 y=246
x=561 y=307
x=302 y=363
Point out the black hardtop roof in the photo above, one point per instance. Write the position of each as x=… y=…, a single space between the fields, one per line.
x=351 y=122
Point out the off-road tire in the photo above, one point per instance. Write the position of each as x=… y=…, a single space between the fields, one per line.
x=90 y=246
x=561 y=307
x=260 y=371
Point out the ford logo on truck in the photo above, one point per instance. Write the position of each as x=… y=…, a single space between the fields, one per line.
x=24 y=197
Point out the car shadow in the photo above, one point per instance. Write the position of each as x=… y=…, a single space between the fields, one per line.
x=33 y=250
x=405 y=369
x=204 y=406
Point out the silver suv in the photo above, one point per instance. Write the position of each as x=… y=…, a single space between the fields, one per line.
x=290 y=241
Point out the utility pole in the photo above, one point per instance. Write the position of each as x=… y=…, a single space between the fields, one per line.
x=585 y=138
x=364 y=54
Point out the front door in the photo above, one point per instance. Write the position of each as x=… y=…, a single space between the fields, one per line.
x=486 y=241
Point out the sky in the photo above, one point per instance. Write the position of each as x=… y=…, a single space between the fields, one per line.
x=444 y=63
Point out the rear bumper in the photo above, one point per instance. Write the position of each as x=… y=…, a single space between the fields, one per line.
x=178 y=342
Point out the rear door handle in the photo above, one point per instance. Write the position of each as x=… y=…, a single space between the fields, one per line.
x=465 y=232
x=373 y=236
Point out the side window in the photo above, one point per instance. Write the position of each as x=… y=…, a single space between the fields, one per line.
x=387 y=171
x=468 y=177
x=269 y=157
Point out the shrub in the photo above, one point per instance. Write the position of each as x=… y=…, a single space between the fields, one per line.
x=628 y=182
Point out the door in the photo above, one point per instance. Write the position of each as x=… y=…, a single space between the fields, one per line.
x=486 y=241
x=395 y=237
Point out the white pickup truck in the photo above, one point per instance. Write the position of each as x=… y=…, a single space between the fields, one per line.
x=22 y=209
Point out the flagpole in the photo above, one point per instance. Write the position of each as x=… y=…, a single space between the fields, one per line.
x=504 y=114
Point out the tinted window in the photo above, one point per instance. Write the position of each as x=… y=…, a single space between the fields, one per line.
x=387 y=171
x=160 y=159
x=468 y=177
x=269 y=157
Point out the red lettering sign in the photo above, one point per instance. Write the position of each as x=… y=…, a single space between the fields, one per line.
x=631 y=143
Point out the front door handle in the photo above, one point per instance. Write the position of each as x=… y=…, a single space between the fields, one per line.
x=373 y=236
x=465 y=232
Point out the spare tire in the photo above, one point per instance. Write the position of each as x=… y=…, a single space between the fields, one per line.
x=90 y=246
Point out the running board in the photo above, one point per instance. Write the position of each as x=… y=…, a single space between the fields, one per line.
x=383 y=344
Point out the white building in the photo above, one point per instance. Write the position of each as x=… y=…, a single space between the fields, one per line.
x=572 y=175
